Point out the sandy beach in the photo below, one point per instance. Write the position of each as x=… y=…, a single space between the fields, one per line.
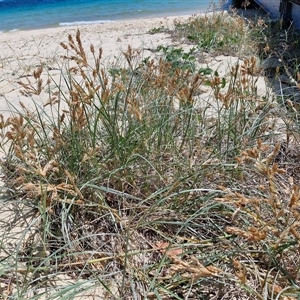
x=24 y=51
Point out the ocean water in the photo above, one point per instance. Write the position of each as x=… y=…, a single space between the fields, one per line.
x=32 y=14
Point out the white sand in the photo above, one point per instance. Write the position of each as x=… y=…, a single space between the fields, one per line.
x=23 y=51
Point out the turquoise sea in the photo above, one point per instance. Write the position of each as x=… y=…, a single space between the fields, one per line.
x=31 y=14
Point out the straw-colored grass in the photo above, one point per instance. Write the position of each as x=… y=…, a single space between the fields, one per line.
x=156 y=178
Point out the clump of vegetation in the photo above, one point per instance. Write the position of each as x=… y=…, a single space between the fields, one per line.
x=214 y=32
x=154 y=179
x=178 y=58
x=158 y=30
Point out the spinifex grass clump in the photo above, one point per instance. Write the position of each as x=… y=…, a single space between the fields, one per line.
x=133 y=172
x=101 y=160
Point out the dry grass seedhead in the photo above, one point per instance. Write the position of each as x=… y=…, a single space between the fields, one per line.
x=192 y=270
x=240 y=271
x=252 y=234
x=33 y=88
x=79 y=55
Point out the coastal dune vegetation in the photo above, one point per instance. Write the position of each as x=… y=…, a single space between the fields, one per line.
x=158 y=176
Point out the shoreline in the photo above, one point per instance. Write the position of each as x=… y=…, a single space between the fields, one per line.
x=114 y=29
x=102 y=22
x=64 y=24
x=142 y=22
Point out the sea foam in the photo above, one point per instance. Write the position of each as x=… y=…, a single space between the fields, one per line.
x=77 y=23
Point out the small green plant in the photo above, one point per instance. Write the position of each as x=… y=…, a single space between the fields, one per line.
x=178 y=58
x=158 y=30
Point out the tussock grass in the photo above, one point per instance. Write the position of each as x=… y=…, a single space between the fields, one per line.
x=155 y=178
x=217 y=32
